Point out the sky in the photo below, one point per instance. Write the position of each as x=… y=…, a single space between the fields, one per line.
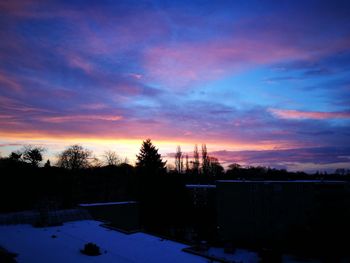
x=260 y=82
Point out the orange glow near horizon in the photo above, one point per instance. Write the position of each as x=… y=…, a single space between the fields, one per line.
x=124 y=147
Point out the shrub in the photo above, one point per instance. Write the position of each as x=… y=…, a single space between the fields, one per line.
x=91 y=249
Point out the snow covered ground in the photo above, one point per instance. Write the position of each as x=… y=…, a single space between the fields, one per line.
x=200 y=186
x=240 y=255
x=36 y=245
x=109 y=203
x=30 y=217
x=247 y=256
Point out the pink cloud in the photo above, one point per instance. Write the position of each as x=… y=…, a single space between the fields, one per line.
x=286 y=157
x=16 y=106
x=317 y=115
x=113 y=34
x=94 y=106
x=185 y=63
x=80 y=63
x=7 y=81
x=5 y=117
x=15 y=7
x=244 y=44
x=81 y=118
x=94 y=29
x=135 y=75
x=39 y=9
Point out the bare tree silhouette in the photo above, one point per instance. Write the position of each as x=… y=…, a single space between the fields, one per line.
x=205 y=160
x=111 y=158
x=74 y=157
x=179 y=160
x=195 y=160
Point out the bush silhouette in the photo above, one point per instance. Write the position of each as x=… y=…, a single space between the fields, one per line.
x=91 y=249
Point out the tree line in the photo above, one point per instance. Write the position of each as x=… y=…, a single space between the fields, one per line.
x=73 y=157
x=149 y=161
x=78 y=176
x=209 y=165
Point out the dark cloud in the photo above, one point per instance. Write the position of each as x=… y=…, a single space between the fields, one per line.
x=319 y=155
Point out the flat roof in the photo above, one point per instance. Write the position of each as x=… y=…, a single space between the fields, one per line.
x=281 y=181
x=109 y=203
x=63 y=244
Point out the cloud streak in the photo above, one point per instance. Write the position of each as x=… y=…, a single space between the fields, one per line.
x=316 y=115
x=290 y=159
x=80 y=118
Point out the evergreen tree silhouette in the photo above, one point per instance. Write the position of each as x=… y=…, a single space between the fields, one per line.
x=149 y=161
x=47 y=164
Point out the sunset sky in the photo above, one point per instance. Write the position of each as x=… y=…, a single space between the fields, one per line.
x=260 y=82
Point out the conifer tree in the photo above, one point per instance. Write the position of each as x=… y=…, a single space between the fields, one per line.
x=149 y=161
x=47 y=164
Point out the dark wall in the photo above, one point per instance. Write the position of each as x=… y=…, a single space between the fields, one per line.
x=124 y=216
x=23 y=187
x=285 y=215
